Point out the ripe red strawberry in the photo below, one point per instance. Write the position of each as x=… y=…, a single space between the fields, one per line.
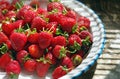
x=21 y=56
x=9 y=28
x=67 y=24
x=59 y=40
x=49 y=56
x=38 y=23
x=8 y=43
x=3 y=38
x=59 y=72
x=59 y=51
x=81 y=53
x=33 y=38
x=22 y=11
x=30 y=65
x=44 y=39
x=10 y=14
x=35 y=51
x=42 y=65
x=52 y=26
x=55 y=5
x=76 y=59
x=86 y=35
x=18 y=40
x=13 y=69
x=2 y=17
x=4 y=60
x=55 y=17
x=4 y=5
x=42 y=12
x=66 y=61
x=83 y=21
x=74 y=38
x=71 y=14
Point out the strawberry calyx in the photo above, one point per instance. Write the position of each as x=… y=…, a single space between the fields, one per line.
x=3 y=48
x=53 y=11
x=82 y=28
x=75 y=47
x=44 y=60
x=19 y=5
x=75 y=28
x=66 y=69
x=13 y=76
x=20 y=30
x=60 y=32
x=4 y=11
x=63 y=52
x=86 y=41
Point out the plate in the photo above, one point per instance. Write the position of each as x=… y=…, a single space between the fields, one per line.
x=97 y=29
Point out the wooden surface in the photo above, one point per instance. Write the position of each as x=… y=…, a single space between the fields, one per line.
x=108 y=65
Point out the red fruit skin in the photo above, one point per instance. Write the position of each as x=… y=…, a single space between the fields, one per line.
x=13 y=67
x=81 y=53
x=17 y=24
x=2 y=17
x=3 y=38
x=55 y=17
x=35 y=2
x=52 y=26
x=10 y=14
x=67 y=24
x=74 y=38
x=57 y=51
x=22 y=11
x=4 y=4
x=55 y=5
x=58 y=72
x=44 y=39
x=85 y=34
x=71 y=14
x=33 y=38
x=21 y=56
x=30 y=65
x=83 y=21
x=38 y=23
x=49 y=56
x=42 y=68
x=7 y=28
x=42 y=11
x=59 y=40
x=8 y=43
x=35 y=51
x=4 y=60
x=66 y=61
x=18 y=41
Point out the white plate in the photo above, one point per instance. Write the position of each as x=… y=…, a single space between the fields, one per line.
x=97 y=29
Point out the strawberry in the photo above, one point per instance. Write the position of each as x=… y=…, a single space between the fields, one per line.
x=2 y=17
x=71 y=14
x=85 y=35
x=8 y=43
x=10 y=14
x=38 y=23
x=44 y=39
x=35 y=51
x=83 y=21
x=3 y=38
x=81 y=53
x=55 y=17
x=59 y=51
x=21 y=56
x=13 y=69
x=35 y=3
x=75 y=43
x=50 y=57
x=42 y=65
x=59 y=40
x=55 y=5
x=4 y=5
x=18 y=40
x=67 y=24
x=52 y=26
x=9 y=28
x=42 y=12
x=76 y=59
x=33 y=38
x=59 y=72
x=66 y=61
x=30 y=65
x=4 y=60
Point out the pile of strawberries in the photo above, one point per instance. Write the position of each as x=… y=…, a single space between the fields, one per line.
x=38 y=39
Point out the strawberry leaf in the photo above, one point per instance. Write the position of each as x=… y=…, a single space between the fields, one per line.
x=54 y=0
x=3 y=48
x=62 y=52
x=13 y=76
x=74 y=29
x=19 y=5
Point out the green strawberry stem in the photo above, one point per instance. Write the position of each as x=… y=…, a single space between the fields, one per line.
x=4 y=11
x=13 y=76
x=62 y=52
x=74 y=29
x=3 y=48
x=86 y=41
x=44 y=60
x=83 y=28
x=19 y=5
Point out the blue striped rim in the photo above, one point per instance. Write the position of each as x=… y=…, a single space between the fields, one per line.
x=100 y=50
